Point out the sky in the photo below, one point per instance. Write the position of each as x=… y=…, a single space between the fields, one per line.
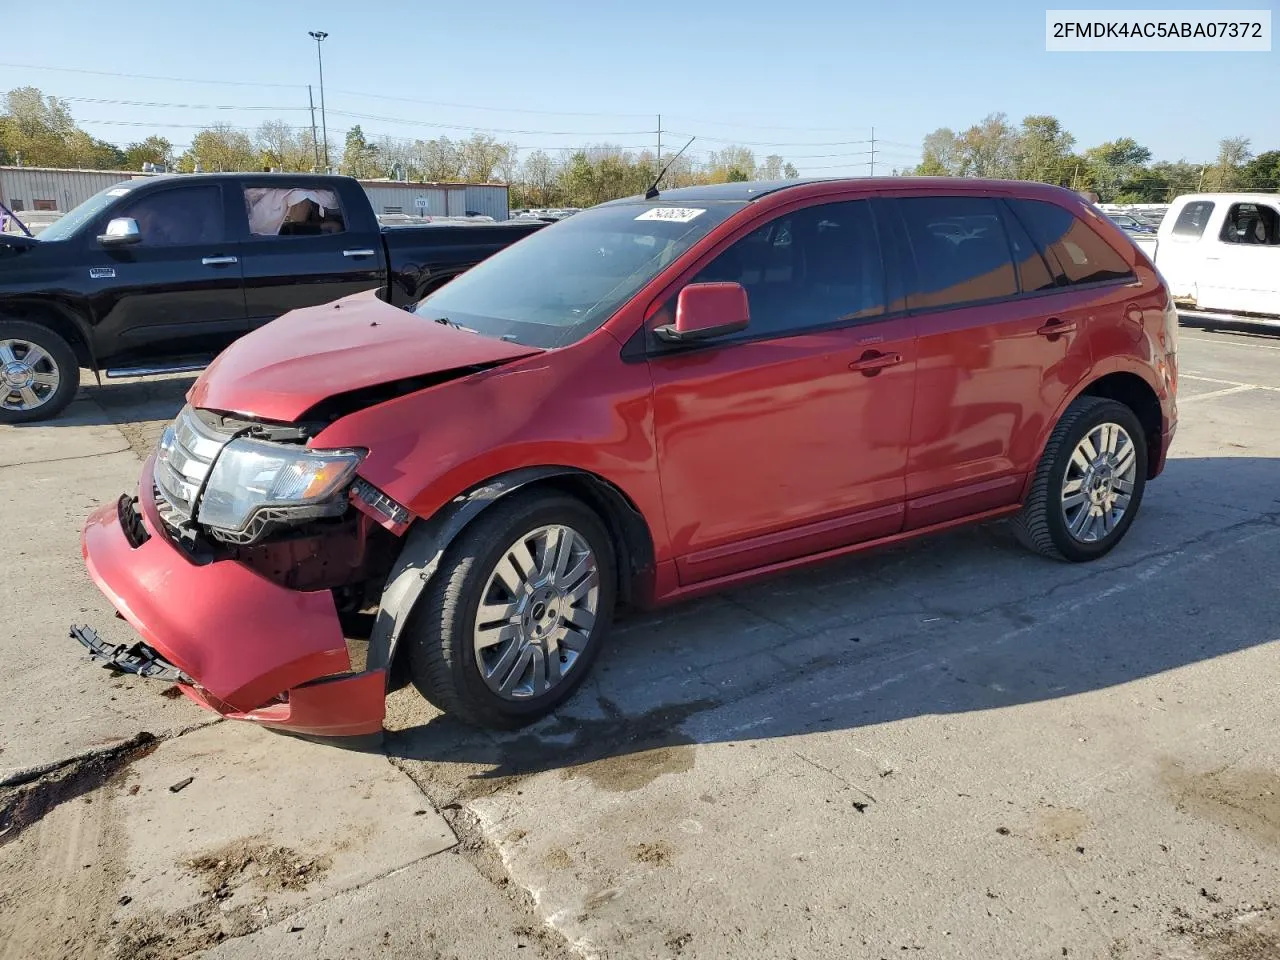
x=807 y=80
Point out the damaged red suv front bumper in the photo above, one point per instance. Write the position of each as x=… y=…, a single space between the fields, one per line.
x=255 y=650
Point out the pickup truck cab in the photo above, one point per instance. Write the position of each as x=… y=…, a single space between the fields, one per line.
x=1220 y=254
x=159 y=274
x=649 y=400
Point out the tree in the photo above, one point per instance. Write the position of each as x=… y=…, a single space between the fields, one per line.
x=1112 y=169
x=220 y=147
x=37 y=128
x=154 y=149
x=732 y=164
x=1262 y=172
x=283 y=148
x=1043 y=151
x=940 y=154
x=538 y=176
x=359 y=157
x=987 y=148
x=482 y=155
x=437 y=160
x=1227 y=173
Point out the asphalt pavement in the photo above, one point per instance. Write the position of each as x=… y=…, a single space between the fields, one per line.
x=948 y=749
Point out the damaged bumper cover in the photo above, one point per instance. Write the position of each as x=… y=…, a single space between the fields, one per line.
x=241 y=645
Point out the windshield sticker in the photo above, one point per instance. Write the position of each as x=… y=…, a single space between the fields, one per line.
x=118 y=192
x=671 y=214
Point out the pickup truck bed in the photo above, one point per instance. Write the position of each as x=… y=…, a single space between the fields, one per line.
x=160 y=274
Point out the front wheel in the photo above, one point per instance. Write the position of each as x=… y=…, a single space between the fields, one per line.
x=517 y=612
x=1089 y=482
x=39 y=374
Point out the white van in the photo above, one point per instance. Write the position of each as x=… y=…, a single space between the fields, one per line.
x=1220 y=255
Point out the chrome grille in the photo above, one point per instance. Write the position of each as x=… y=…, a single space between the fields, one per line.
x=184 y=457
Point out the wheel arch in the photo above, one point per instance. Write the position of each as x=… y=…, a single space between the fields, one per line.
x=428 y=539
x=62 y=320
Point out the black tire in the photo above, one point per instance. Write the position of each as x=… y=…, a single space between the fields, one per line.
x=1041 y=526
x=60 y=358
x=439 y=637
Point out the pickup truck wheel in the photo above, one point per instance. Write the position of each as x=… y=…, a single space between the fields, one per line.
x=517 y=612
x=1089 y=482
x=38 y=372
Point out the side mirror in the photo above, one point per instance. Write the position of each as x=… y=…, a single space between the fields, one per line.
x=705 y=311
x=121 y=232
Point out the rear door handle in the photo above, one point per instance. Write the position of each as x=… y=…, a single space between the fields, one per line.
x=363 y=252
x=873 y=361
x=215 y=261
x=1054 y=327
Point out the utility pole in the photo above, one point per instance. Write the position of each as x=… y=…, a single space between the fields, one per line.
x=318 y=36
x=659 y=141
x=873 y=151
x=315 y=141
x=1200 y=188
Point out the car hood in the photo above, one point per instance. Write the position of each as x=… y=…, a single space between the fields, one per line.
x=291 y=365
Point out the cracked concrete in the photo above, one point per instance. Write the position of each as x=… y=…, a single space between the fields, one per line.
x=949 y=749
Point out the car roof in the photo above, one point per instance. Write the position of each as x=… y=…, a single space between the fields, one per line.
x=755 y=189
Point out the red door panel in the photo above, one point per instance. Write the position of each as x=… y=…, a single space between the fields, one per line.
x=772 y=449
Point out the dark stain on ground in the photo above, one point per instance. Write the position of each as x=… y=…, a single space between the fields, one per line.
x=1249 y=934
x=633 y=770
x=26 y=802
x=657 y=854
x=1245 y=799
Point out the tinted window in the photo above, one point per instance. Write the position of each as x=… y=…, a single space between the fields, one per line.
x=1193 y=219
x=1251 y=223
x=178 y=217
x=1082 y=254
x=961 y=252
x=1033 y=272
x=815 y=266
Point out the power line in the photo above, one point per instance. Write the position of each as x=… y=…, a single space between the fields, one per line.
x=473 y=106
x=179 y=106
x=142 y=76
x=464 y=126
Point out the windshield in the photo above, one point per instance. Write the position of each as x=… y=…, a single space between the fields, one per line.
x=69 y=223
x=559 y=284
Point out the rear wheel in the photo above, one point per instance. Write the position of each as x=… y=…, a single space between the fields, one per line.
x=517 y=613
x=1089 y=482
x=38 y=372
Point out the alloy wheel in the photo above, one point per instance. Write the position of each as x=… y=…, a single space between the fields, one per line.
x=1099 y=482
x=29 y=377
x=537 y=612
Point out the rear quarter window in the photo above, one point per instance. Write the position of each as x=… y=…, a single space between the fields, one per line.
x=1082 y=254
x=1193 y=219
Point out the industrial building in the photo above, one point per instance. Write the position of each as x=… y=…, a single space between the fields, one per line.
x=26 y=189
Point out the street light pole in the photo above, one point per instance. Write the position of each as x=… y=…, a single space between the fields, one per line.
x=318 y=36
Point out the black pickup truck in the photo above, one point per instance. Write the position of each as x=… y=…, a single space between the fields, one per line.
x=158 y=274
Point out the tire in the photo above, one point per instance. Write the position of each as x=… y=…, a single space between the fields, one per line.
x=1044 y=525
x=57 y=360
x=444 y=663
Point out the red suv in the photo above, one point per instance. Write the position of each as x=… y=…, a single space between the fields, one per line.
x=650 y=400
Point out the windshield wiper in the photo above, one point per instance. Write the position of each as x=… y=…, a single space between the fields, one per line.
x=451 y=323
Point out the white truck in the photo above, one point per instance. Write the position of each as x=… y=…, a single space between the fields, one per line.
x=1220 y=255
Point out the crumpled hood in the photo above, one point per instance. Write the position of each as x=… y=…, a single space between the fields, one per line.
x=285 y=368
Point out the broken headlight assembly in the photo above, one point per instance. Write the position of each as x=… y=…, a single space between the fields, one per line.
x=258 y=484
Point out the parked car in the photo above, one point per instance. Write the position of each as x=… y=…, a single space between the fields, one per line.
x=1220 y=253
x=648 y=401
x=1130 y=224
x=157 y=274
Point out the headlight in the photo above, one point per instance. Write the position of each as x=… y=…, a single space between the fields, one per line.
x=253 y=475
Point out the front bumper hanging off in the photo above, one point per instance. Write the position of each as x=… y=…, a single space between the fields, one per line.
x=235 y=642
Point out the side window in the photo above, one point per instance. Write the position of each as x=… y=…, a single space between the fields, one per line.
x=1083 y=255
x=293 y=212
x=179 y=217
x=1033 y=273
x=961 y=252
x=816 y=266
x=1193 y=219
x=1251 y=223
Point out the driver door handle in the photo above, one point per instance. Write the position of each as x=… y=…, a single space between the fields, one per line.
x=363 y=252
x=1051 y=328
x=215 y=261
x=873 y=361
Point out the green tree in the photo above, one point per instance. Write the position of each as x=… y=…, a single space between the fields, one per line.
x=1227 y=173
x=153 y=149
x=1262 y=172
x=1111 y=167
x=940 y=154
x=1043 y=151
x=482 y=156
x=360 y=158
x=220 y=147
